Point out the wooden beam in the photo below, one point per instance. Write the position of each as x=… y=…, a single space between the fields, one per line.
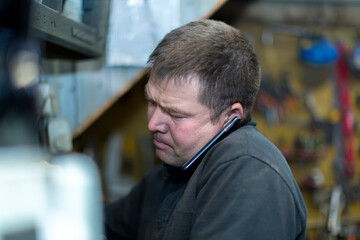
x=95 y=115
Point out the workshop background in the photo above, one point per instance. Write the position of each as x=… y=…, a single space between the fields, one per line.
x=89 y=71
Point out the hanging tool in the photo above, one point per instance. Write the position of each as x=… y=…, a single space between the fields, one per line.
x=342 y=91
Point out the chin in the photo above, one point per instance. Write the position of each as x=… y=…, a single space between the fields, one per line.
x=169 y=160
x=171 y=163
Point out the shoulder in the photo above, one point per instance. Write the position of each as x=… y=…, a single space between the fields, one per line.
x=246 y=155
x=244 y=143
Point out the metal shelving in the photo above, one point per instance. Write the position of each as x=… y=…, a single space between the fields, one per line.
x=66 y=38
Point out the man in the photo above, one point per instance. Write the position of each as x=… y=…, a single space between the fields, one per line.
x=202 y=75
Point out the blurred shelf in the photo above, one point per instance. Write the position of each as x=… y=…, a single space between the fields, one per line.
x=66 y=38
x=214 y=9
x=311 y=12
x=100 y=111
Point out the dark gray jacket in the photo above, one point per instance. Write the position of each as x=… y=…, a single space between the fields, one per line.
x=242 y=189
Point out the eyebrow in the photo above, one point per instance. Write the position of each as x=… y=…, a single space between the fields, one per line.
x=170 y=110
x=173 y=110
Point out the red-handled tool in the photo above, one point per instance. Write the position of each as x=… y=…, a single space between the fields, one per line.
x=342 y=89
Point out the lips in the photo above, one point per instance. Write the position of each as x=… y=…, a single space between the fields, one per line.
x=160 y=143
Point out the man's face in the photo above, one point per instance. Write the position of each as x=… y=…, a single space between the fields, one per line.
x=179 y=124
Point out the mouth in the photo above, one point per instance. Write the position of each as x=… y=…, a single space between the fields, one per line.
x=159 y=144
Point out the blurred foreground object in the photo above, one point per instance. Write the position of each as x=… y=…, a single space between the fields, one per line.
x=18 y=71
x=55 y=132
x=48 y=202
x=43 y=197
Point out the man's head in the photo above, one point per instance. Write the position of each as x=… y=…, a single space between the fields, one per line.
x=202 y=74
x=216 y=54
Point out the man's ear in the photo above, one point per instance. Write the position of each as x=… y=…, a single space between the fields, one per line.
x=236 y=109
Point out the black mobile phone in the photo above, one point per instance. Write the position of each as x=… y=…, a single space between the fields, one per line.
x=209 y=144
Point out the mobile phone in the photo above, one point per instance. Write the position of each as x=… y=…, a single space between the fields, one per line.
x=210 y=143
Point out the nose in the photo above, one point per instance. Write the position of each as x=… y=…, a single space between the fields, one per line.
x=157 y=120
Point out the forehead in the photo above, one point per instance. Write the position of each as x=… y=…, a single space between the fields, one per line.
x=171 y=86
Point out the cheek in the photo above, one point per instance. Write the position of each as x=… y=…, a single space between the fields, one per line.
x=192 y=138
x=184 y=136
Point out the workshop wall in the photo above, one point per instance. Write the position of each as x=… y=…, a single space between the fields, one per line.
x=292 y=95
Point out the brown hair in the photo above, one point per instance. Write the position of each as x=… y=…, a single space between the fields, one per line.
x=216 y=54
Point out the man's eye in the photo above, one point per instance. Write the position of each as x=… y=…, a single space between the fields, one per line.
x=176 y=117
